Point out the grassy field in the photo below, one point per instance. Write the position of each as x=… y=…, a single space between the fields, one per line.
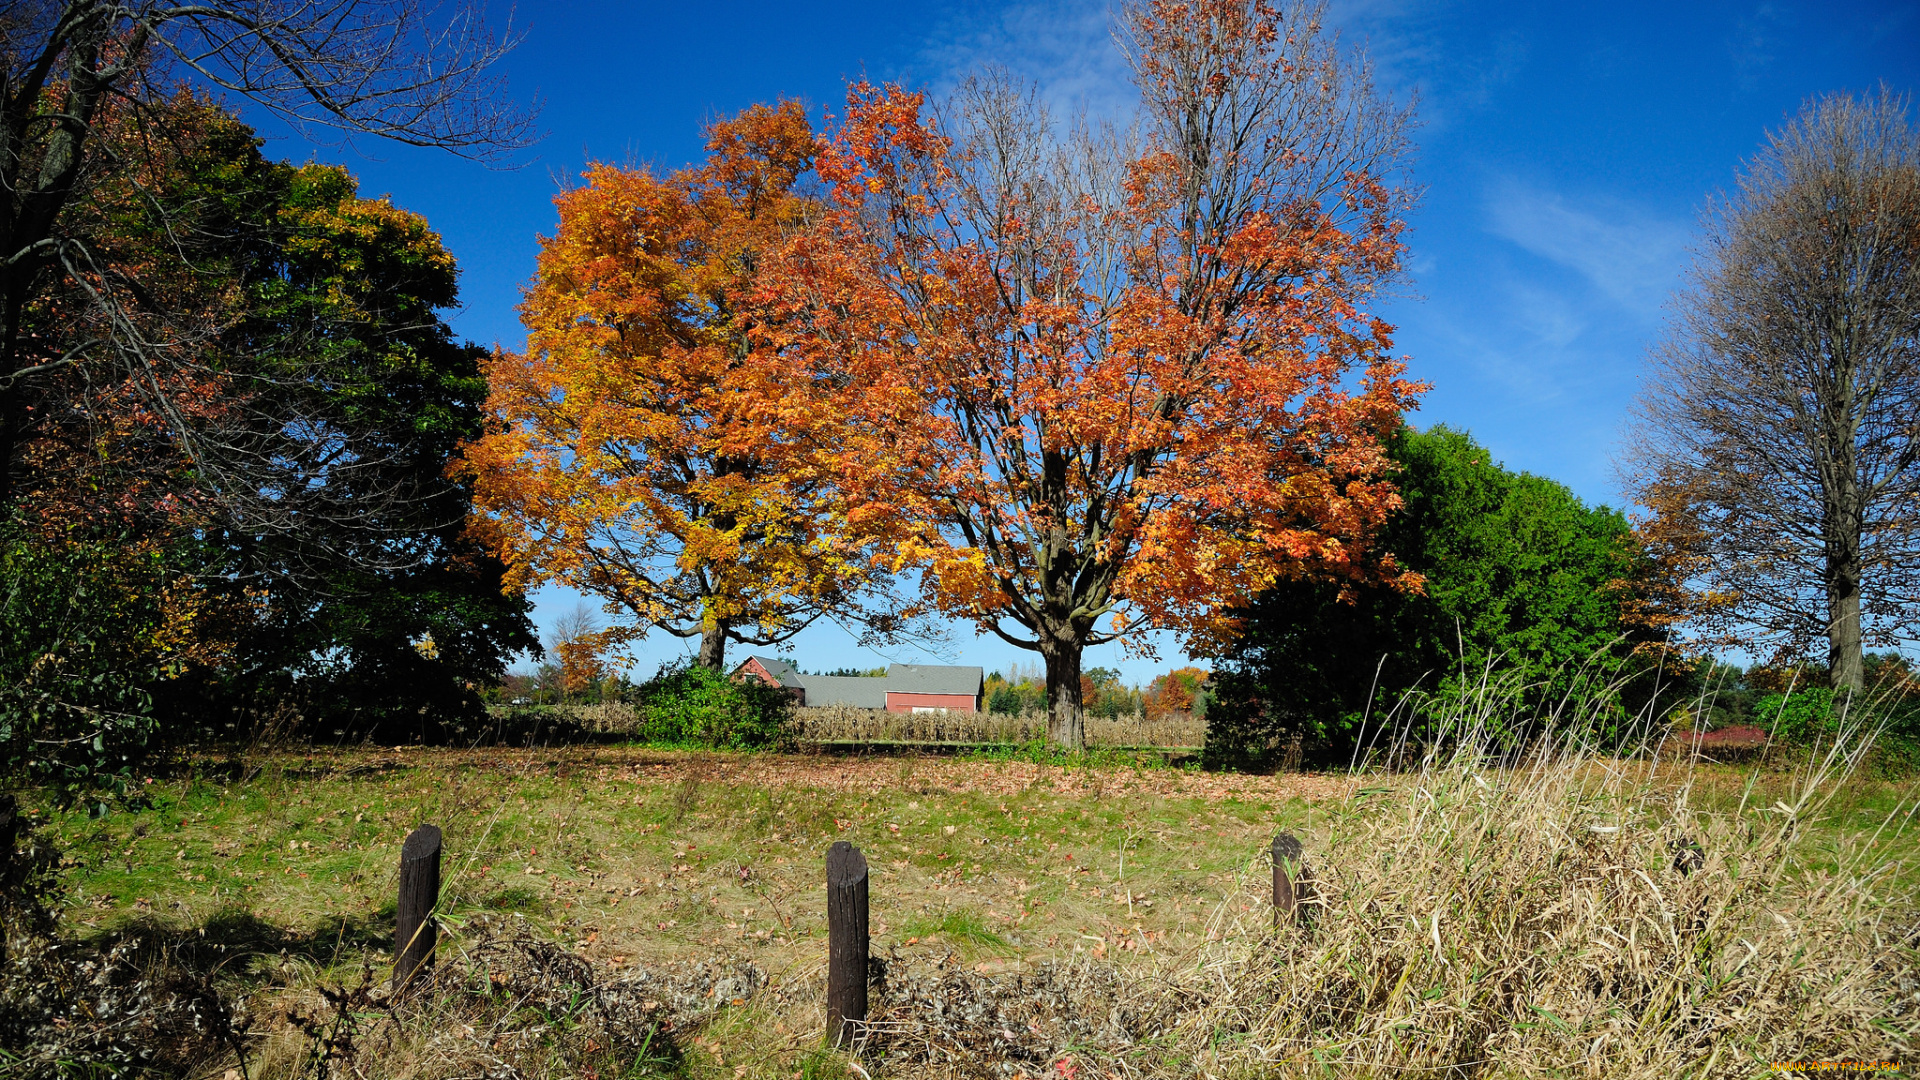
x=844 y=725
x=726 y=850
x=990 y=879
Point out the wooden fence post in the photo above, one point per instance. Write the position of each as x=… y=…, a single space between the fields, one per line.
x=846 y=941
x=414 y=932
x=1288 y=866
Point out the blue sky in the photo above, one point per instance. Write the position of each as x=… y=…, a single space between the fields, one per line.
x=1565 y=152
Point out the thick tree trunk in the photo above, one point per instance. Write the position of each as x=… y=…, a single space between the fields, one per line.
x=1845 y=667
x=1843 y=530
x=713 y=646
x=1066 y=713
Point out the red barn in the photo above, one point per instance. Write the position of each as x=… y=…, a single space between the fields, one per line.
x=904 y=688
x=774 y=672
x=932 y=688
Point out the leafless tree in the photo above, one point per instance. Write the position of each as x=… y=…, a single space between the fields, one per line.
x=395 y=69
x=575 y=626
x=1777 y=426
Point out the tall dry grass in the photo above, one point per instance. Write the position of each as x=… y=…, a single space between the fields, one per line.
x=1560 y=911
x=611 y=717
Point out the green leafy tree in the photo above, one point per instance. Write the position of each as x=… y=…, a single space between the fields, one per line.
x=326 y=307
x=79 y=647
x=1518 y=572
x=402 y=616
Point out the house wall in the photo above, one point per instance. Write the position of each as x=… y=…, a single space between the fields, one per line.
x=904 y=702
x=753 y=669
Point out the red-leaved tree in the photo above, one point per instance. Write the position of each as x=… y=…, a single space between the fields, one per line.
x=1096 y=384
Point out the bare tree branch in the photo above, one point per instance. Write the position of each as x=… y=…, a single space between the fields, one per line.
x=1780 y=420
x=395 y=69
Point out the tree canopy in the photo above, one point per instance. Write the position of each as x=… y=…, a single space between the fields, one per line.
x=1096 y=386
x=1778 y=442
x=649 y=447
x=130 y=592
x=1516 y=571
x=89 y=130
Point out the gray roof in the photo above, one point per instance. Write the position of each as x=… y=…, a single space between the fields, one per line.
x=857 y=692
x=783 y=670
x=934 y=679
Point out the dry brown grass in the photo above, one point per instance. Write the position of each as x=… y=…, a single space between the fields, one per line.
x=611 y=717
x=1548 y=922
x=1471 y=917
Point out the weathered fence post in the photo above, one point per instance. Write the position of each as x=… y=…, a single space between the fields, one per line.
x=1688 y=856
x=414 y=932
x=846 y=940
x=1287 y=869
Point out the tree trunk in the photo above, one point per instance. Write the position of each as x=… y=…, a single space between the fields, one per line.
x=713 y=646
x=1843 y=528
x=1845 y=669
x=1066 y=715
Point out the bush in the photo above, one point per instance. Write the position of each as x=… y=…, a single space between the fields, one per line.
x=690 y=704
x=1809 y=716
x=82 y=631
x=1519 y=575
x=1797 y=718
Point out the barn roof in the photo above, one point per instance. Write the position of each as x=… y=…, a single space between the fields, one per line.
x=782 y=670
x=934 y=679
x=859 y=692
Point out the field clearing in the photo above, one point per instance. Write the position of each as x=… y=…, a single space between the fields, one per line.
x=540 y=832
x=838 y=724
x=635 y=859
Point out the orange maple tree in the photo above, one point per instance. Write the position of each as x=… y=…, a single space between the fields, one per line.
x=1095 y=386
x=644 y=450
x=1175 y=693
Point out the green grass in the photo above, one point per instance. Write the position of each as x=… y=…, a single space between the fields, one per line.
x=309 y=843
x=957 y=927
x=637 y=856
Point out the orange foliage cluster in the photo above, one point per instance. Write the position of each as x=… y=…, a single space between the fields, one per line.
x=1175 y=693
x=1183 y=453
x=644 y=448
x=1086 y=416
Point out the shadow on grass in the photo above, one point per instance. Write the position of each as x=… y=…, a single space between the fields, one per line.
x=229 y=941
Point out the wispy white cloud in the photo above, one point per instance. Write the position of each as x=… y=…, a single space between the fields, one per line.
x=1752 y=45
x=1420 y=49
x=1630 y=255
x=1064 y=47
x=1527 y=344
